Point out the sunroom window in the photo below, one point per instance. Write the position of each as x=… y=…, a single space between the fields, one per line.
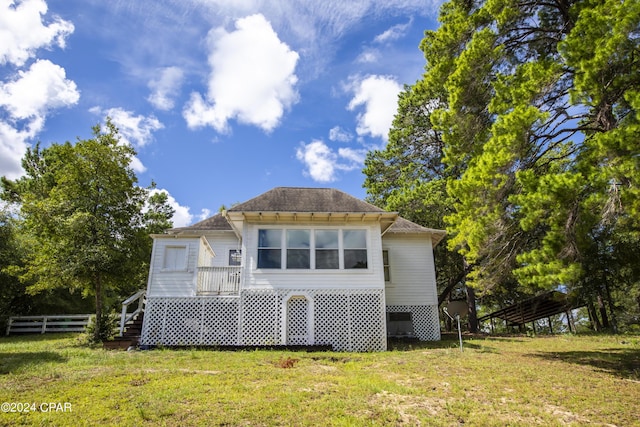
x=269 y=248
x=298 y=249
x=327 y=249
x=305 y=249
x=355 y=248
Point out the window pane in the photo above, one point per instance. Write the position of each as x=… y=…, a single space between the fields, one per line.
x=327 y=259
x=235 y=257
x=269 y=258
x=175 y=258
x=326 y=239
x=355 y=258
x=385 y=263
x=298 y=239
x=269 y=238
x=298 y=258
x=355 y=239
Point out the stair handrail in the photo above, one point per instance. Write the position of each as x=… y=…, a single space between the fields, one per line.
x=126 y=317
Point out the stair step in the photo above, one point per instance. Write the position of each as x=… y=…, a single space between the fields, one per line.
x=120 y=343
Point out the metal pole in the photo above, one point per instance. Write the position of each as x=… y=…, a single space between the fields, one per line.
x=459 y=331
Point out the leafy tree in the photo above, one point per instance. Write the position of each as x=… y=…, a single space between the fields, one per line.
x=83 y=209
x=537 y=108
x=408 y=177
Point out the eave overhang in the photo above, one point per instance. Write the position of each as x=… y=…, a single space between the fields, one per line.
x=237 y=218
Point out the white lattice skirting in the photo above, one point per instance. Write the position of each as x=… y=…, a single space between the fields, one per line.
x=348 y=320
x=426 y=322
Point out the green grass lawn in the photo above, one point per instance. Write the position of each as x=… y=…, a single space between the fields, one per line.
x=496 y=381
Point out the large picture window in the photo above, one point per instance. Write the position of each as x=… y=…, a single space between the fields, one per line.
x=269 y=248
x=319 y=249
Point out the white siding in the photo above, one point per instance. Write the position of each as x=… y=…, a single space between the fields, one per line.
x=221 y=245
x=413 y=279
x=369 y=278
x=170 y=283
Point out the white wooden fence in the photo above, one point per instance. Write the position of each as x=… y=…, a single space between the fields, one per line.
x=51 y=323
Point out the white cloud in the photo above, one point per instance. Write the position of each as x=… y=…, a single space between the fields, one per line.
x=26 y=99
x=319 y=160
x=379 y=97
x=13 y=146
x=355 y=157
x=204 y=214
x=252 y=78
x=394 y=33
x=136 y=131
x=22 y=31
x=181 y=216
x=322 y=163
x=368 y=56
x=36 y=91
x=165 y=88
x=336 y=133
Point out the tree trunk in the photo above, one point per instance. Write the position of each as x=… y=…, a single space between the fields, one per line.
x=593 y=317
x=614 y=323
x=98 y=289
x=473 y=315
x=453 y=282
x=603 y=312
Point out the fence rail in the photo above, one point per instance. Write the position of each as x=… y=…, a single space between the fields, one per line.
x=47 y=324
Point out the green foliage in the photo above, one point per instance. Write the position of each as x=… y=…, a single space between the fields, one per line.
x=496 y=381
x=536 y=110
x=85 y=219
x=98 y=332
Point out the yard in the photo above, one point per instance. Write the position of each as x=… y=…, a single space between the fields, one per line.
x=510 y=380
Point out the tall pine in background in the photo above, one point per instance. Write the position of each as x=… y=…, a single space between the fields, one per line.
x=528 y=121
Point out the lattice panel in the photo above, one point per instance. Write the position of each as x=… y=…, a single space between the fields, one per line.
x=220 y=321
x=183 y=321
x=190 y=321
x=347 y=320
x=297 y=321
x=152 y=328
x=332 y=320
x=261 y=314
x=368 y=327
x=426 y=322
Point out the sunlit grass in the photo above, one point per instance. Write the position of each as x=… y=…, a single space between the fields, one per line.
x=497 y=381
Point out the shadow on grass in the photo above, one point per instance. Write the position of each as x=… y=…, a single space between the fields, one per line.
x=11 y=362
x=624 y=363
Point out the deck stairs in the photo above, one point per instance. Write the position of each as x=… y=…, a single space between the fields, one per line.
x=130 y=337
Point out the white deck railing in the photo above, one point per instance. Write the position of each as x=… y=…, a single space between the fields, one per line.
x=219 y=280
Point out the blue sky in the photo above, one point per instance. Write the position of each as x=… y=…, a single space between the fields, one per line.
x=222 y=99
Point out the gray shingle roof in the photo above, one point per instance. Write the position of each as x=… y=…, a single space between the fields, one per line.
x=294 y=199
x=216 y=223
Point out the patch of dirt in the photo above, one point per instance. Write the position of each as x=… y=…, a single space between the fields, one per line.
x=565 y=417
x=404 y=405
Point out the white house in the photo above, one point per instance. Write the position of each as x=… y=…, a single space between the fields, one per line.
x=294 y=266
